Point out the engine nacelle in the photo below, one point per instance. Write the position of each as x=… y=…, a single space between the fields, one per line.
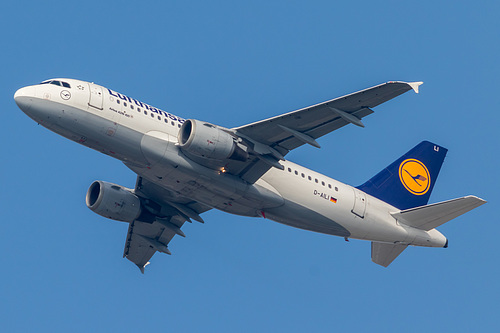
x=113 y=201
x=208 y=141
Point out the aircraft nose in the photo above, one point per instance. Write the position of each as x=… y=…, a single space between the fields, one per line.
x=24 y=97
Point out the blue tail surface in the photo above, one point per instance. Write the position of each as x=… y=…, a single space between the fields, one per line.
x=408 y=182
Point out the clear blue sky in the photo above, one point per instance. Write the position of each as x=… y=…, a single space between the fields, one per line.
x=232 y=63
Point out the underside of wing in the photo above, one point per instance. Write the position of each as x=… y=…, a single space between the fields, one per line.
x=273 y=138
x=320 y=119
x=139 y=246
x=163 y=220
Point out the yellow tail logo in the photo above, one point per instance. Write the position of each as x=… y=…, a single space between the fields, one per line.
x=414 y=176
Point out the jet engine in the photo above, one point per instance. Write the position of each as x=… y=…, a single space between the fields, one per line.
x=205 y=140
x=113 y=201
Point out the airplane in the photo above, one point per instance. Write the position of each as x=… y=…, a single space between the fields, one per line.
x=186 y=167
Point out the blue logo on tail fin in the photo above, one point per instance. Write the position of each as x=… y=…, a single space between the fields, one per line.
x=408 y=182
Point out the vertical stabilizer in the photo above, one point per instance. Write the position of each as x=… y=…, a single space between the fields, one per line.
x=408 y=182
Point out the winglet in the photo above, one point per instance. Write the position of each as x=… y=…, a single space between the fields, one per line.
x=142 y=267
x=415 y=85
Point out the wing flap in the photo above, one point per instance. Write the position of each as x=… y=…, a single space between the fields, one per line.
x=136 y=249
x=432 y=216
x=145 y=238
x=384 y=254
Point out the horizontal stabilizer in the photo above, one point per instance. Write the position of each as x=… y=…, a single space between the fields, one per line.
x=383 y=254
x=432 y=216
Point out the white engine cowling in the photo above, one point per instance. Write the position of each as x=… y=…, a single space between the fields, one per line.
x=113 y=201
x=208 y=141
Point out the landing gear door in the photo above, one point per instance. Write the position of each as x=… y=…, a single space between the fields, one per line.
x=96 y=96
x=359 y=207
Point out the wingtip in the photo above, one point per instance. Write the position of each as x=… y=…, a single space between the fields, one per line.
x=479 y=200
x=142 y=267
x=415 y=85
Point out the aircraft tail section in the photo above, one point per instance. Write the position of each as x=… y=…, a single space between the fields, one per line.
x=383 y=254
x=432 y=216
x=408 y=182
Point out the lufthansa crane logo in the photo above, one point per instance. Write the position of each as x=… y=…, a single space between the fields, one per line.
x=65 y=95
x=414 y=176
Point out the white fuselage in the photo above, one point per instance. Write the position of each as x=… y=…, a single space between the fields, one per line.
x=145 y=139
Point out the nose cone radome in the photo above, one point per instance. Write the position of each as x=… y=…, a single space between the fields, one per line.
x=24 y=97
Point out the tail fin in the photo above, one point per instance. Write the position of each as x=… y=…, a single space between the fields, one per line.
x=408 y=182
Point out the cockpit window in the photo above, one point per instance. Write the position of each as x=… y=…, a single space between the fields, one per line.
x=57 y=83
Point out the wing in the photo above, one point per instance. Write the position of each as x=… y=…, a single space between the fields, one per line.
x=273 y=138
x=162 y=221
